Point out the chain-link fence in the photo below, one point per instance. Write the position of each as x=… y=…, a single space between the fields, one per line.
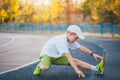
x=100 y=29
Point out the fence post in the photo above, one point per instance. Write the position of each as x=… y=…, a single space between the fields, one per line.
x=42 y=27
x=112 y=32
x=51 y=27
x=15 y=28
x=101 y=29
x=6 y=27
x=33 y=26
x=86 y=28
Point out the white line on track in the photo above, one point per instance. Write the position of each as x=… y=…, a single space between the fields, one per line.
x=19 y=67
x=10 y=42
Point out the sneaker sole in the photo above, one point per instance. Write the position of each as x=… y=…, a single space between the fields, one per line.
x=102 y=72
x=103 y=65
x=36 y=74
x=103 y=68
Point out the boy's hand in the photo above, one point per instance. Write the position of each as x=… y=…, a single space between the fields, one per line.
x=97 y=57
x=80 y=74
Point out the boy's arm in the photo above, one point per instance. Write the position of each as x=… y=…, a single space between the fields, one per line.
x=70 y=59
x=87 y=51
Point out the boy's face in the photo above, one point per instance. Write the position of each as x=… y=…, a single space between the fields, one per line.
x=72 y=37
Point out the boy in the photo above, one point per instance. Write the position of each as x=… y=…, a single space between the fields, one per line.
x=56 y=51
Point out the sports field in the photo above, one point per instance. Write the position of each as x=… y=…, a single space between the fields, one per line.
x=18 y=50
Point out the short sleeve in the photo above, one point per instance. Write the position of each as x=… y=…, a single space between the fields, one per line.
x=75 y=45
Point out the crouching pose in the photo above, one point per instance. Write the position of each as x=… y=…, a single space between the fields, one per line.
x=56 y=51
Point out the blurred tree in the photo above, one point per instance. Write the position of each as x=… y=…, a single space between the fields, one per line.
x=108 y=10
x=54 y=11
x=64 y=11
x=85 y=9
x=112 y=8
x=10 y=10
x=103 y=10
x=27 y=11
x=3 y=15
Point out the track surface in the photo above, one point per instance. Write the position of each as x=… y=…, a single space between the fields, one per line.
x=56 y=72
x=19 y=49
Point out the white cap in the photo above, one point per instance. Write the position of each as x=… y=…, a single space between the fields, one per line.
x=75 y=29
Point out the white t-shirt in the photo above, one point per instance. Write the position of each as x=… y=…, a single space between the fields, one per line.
x=58 y=46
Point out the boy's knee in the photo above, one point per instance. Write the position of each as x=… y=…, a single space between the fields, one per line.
x=76 y=61
x=43 y=67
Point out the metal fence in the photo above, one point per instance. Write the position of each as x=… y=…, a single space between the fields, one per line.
x=101 y=29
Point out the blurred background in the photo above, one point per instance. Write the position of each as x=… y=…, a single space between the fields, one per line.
x=93 y=16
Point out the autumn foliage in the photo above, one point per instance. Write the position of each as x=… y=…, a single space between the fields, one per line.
x=60 y=11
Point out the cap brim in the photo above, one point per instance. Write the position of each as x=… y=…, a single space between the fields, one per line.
x=81 y=36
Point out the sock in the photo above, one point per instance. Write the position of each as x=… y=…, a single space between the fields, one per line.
x=93 y=68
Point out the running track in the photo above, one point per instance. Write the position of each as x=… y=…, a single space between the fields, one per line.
x=58 y=72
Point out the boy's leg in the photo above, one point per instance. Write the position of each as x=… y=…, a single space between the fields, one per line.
x=45 y=62
x=60 y=61
x=99 y=68
x=82 y=64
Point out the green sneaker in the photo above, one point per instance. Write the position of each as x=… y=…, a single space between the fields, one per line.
x=100 y=66
x=37 y=70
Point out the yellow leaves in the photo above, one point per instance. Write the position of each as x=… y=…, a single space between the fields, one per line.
x=116 y=7
x=54 y=9
x=36 y=17
x=9 y=9
x=17 y=13
x=45 y=18
x=51 y=12
x=5 y=1
x=3 y=15
x=94 y=14
x=13 y=9
x=27 y=9
x=46 y=15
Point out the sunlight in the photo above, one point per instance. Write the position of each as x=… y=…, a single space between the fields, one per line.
x=77 y=1
x=47 y=2
x=38 y=2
